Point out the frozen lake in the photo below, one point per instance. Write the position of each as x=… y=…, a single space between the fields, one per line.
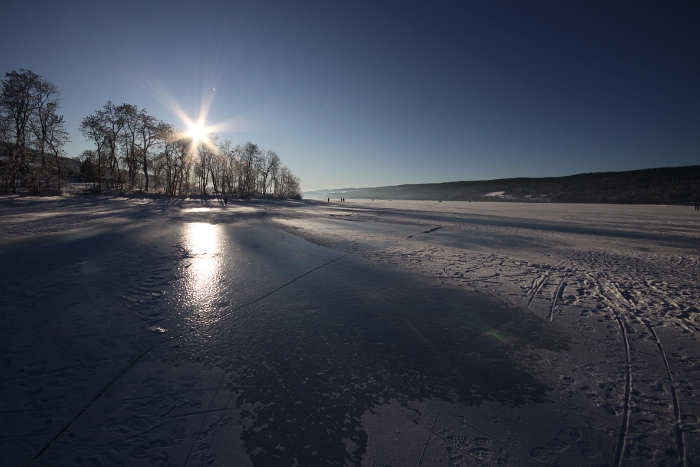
x=184 y=332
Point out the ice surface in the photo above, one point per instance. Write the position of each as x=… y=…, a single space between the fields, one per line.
x=185 y=332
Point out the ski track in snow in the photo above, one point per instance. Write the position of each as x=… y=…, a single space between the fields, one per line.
x=625 y=392
x=588 y=289
x=640 y=291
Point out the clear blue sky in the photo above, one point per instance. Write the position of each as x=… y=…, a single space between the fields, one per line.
x=354 y=93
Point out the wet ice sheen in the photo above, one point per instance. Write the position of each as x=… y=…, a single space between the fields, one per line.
x=203 y=276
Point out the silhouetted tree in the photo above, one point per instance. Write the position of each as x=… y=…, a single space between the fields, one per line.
x=31 y=131
x=92 y=128
x=269 y=168
x=88 y=166
x=151 y=132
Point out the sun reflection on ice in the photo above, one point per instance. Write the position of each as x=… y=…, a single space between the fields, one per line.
x=203 y=242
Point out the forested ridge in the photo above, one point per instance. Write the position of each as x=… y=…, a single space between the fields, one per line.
x=669 y=185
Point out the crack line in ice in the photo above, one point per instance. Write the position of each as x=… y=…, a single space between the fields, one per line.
x=128 y=367
x=221 y=419
x=429 y=433
x=196 y=438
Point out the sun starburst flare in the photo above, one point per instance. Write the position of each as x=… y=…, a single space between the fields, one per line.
x=198 y=132
x=201 y=135
x=205 y=135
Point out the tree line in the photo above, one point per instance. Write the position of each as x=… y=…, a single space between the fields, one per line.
x=132 y=150
x=136 y=150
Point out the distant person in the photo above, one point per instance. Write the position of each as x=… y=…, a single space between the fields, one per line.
x=225 y=200
x=329 y=200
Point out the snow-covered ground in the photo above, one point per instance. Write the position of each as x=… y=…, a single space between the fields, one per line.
x=139 y=331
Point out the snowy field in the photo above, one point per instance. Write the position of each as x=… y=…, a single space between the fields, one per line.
x=154 y=332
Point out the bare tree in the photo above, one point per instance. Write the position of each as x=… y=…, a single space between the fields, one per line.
x=129 y=115
x=88 y=166
x=168 y=159
x=151 y=133
x=127 y=130
x=112 y=121
x=56 y=138
x=269 y=168
x=92 y=128
x=200 y=168
x=17 y=105
x=30 y=129
x=249 y=157
x=288 y=185
x=227 y=158
x=248 y=170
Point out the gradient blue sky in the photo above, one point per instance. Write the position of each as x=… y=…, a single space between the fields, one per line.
x=356 y=94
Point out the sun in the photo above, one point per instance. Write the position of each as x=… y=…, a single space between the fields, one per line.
x=197 y=132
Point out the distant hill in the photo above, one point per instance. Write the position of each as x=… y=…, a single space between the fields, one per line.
x=669 y=185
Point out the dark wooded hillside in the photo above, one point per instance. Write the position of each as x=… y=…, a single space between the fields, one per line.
x=669 y=185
